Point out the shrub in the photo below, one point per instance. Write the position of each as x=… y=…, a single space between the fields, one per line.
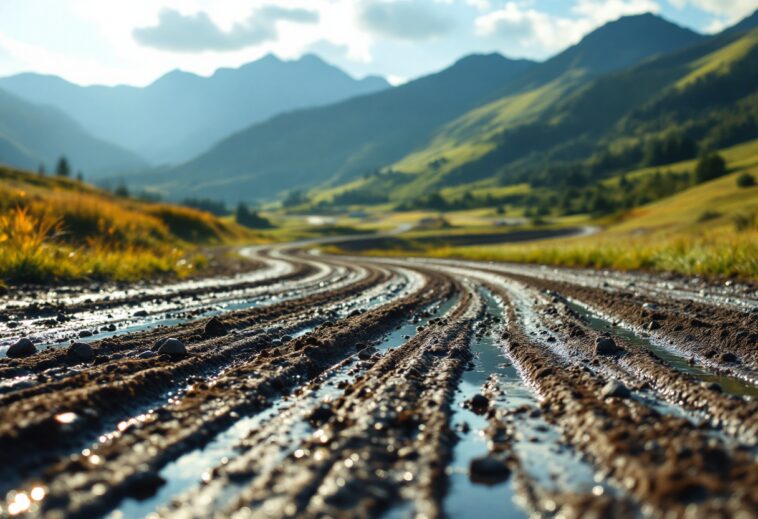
x=710 y=166
x=743 y=222
x=706 y=216
x=745 y=180
x=251 y=219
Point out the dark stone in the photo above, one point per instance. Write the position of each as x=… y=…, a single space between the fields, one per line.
x=80 y=352
x=214 y=328
x=321 y=414
x=729 y=357
x=21 y=348
x=173 y=347
x=85 y=333
x=488 y=470
x=144 y=485
x=606 y=346
x=140 y=313
x=479 y=403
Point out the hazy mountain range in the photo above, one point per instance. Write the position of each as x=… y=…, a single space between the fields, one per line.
x=181 y=115
x=638 y=84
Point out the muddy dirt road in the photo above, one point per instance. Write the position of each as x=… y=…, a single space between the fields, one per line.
x=318 y=386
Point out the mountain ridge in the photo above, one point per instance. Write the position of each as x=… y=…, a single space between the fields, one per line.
x=180 y=114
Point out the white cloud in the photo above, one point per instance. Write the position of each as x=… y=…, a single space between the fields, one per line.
x=730 y=10
x=602 y=11
x=413 y=20
x=196 y=32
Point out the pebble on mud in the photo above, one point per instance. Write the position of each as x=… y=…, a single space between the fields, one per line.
x=478 y=403
x=21 y=348
x=488 y=470
x=144 y=485
x=172 y=347
x=728 y=357
x=615 y=388
x=606 y=346
x=80 y=352
x=214 y=328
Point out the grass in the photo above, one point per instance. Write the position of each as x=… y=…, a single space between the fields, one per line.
x=669 y=235
x=54 y=229
x=709 y=230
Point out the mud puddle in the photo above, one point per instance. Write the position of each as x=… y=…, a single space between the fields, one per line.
x=729 y=384
x=545 y=459
x=287 y=419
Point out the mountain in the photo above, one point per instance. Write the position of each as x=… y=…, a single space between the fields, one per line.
x=182 y=114
x=612 y=47
x=32 y=134
x=748 y=23
x=307 y=147
x=422 y=127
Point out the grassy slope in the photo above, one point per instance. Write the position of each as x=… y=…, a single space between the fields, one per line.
x=666 y=235
x=56 y=229
x=601 y=104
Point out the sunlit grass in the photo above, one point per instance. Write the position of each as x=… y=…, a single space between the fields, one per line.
x=723 y=252
x=57 y=229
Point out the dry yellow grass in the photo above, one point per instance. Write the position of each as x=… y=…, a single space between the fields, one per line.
x=55 y=229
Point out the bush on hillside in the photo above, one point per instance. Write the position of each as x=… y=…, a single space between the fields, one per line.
x=710 y=166
x=745 y=180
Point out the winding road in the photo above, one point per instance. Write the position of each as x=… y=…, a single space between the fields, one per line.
x=334 y=386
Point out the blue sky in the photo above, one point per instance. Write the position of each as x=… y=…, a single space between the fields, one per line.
x=136 y=41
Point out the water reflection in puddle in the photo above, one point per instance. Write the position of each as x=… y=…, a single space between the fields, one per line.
x=730 y=385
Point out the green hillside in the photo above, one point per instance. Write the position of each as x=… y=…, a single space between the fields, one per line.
x=571 y=134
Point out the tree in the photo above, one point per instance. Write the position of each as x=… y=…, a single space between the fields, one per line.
x=745 y=180
x=80 y=176
x=121 y=191
x=41 y=170
x=710 y=166
x=63 y=169
x=251 y=219
x=294 y=198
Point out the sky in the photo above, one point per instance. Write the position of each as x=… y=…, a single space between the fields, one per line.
x=136 y=41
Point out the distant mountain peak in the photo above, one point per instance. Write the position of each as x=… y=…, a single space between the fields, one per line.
x=624 y=42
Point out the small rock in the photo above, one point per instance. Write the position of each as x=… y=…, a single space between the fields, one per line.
x=321 y=414
x=147 y=355
x=615 y=388
x=22 y=348
x=488 y=470
x=728 y=356
x=479 y=403
x=285 y=338
x=711 y=386
x=172 y=347
x=80 y=352
x=85 y=333
x=140 y=313
x=214 y=328
x=606 y=346
x=653 y=325
x=144 y=485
